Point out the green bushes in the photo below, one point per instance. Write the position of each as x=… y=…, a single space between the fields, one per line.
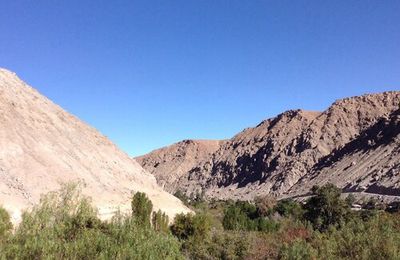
x=189 y=226
x=289 y=208
x=246 y=217
x=5 y=224
x=65 y=226
x=377 y=238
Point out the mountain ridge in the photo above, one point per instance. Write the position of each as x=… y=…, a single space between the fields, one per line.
x=272 y=157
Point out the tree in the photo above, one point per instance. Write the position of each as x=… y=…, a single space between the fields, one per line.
x=289 y=207
x=160 y=221
x=326 y=208
x=265 y=205
x=235 y=219
x=189 y=226
x=142 y=208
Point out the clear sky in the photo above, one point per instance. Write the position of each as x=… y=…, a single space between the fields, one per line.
x=150 y=73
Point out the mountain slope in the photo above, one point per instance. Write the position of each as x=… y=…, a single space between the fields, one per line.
x=170 y=163
x=42 y=146
x=276 y=155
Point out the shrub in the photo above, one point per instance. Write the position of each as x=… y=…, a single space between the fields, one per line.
x=141 y=208
x=265 y=205
x=289 y=208
x=189 y=226
x=235 y=219
x=160 y=221
x=298 y=250
x=326 y=208
x=65 y=226
x=377 y=238
x=5 y=224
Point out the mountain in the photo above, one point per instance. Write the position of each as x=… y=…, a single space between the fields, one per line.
x=171 y=163
x=43 y=146
x=288 y=154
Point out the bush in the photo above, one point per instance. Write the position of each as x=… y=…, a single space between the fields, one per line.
x=5 y=224
x=377 y=238
x=141 y=208
x=298 y=250
x=65 y=226
x=326 y=208
x=289 y=208
x=236 y=219
x=189 y=226
x=160 y=221
x=265 y=205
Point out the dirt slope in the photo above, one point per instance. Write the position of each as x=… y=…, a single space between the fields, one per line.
x=42 y=146
x=280 y=153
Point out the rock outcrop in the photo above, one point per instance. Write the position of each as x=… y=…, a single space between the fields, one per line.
x=43 y=146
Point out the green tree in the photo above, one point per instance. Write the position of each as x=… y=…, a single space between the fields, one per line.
x=235 y=219
x=142 y=208
x=289 y=208
x=326 y=208
x=160 y=221
x=189 y=226
x=183 y=226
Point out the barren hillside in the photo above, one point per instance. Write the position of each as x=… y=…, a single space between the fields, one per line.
x=284 y=155
x=43 y=146
x=170 y=163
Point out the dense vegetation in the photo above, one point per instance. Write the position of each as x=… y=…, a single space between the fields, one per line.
x=322 y=227
x=65 y=225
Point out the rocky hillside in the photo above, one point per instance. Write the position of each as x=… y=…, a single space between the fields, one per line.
x=288 y=154
x=42 y=146
x=169 y=164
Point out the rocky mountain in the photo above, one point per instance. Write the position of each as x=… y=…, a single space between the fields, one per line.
x=347 y=144
x=43 y=146
x=171 y=163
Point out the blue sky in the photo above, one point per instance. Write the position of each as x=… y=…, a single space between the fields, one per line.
x=150 y=73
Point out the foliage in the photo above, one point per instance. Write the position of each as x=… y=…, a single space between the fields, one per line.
x=246 y=216
x=350 y=200
x=141 y=208
x=189 y=226
x=326 y=208
x=298 y=250
x=289 y=208
x=236 y=219
x=377 y=238
x=182 y=196
x=5 y=224
x=265 y=205
x=160 y=221
x=65 y=226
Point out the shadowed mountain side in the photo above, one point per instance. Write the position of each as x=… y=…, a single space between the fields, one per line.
x=369 y=163
x=279 y=152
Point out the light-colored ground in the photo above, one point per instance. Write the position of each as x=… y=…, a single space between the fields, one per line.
x=42 y=146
